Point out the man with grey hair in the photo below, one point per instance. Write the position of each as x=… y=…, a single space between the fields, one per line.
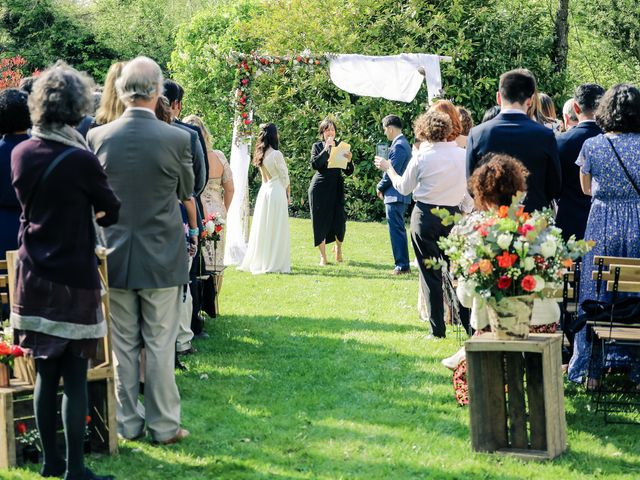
x=147 y=162
x=569 y=116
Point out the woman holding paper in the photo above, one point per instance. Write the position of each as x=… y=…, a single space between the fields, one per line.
x=331 y=160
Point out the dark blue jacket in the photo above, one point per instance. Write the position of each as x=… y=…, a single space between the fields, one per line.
x=533 y=144
x=399 y=156
x=573 y=205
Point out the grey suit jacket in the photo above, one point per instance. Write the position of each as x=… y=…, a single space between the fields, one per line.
x=198 y=159
x=148 y=165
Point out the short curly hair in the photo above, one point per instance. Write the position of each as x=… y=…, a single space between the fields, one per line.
x=433 y=126
x=445 y=106
x=61 y=96
x=619 y=109
x=466 y=120
x=497 y=180
x=14 y=111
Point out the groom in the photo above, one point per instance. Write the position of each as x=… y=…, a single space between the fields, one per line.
x=395 y=203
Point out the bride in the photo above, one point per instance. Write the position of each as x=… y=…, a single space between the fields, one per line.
x=268 y=250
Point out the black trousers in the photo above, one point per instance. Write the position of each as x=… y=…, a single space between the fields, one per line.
x=426 y=229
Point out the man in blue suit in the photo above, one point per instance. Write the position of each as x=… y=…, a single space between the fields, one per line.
x=573 y=205
x=513 y=133
x=395 y=203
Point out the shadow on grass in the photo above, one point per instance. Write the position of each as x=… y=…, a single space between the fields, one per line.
x=362 y=270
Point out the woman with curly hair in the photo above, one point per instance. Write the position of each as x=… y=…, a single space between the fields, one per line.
x=448 y=108
x=436 y=175
x=610 y=172
x=492 y=185
x=57 y=313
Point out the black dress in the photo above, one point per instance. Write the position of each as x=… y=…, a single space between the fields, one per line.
x=326 y=197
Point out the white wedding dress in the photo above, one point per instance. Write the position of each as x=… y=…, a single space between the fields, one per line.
x=269 y=249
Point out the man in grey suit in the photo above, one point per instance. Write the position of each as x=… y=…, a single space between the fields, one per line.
x=147 y=162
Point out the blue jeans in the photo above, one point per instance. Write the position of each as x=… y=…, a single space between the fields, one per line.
x=395 y=219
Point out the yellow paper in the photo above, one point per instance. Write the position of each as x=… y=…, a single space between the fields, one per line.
x=337 y=157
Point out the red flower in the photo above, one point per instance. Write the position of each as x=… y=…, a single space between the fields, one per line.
x=218 y=228
x=299 y=58
x=483 y=231
x=244 y=115
x=21 y=428
x=528 y=283
x=507 y=260
x=87 y=419
x=16 y=351
x=504 y=282
x=245 y=81
x=474 y=268
x=5 y=349
x=526 y=228
x=247 y=121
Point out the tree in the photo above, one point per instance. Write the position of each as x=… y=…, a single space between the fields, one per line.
x=561 y=39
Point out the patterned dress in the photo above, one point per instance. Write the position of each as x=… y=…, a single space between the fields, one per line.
x=614 y=224
x=213 y=202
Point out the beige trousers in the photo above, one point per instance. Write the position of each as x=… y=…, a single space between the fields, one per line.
x=148 y=317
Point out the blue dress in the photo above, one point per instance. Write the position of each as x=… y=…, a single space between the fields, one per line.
x=614 y=224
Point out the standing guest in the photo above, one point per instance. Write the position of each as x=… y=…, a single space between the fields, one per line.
x=148 y=264
x=326 y=193
x=436 y=176
x=573 y=204
x=269 y=249
x=466 y=120
x=395 y=203
x=513 y=133
x=548 y=110
x=445 y=106
x=610 y=173
x=111 y=107
x=216 y=197
x=56 y=310
x=14 y=123
x=569 y=117
x=490 y=113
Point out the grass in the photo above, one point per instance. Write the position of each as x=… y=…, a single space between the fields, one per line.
x=326 y=374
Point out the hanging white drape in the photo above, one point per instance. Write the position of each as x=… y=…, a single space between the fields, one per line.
x=238 y=215
x=394 y=77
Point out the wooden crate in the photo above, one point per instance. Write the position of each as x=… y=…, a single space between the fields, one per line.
x=16 y=406
x=516 y=396
x=16 y=402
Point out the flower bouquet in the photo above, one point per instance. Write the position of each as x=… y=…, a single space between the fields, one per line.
x=8 y=353
x=212 y=227
x=31 y=441
x=507 y=257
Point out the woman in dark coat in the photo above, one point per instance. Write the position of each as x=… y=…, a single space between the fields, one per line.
x=326 y=194
x=14 y=123
x=56 y=312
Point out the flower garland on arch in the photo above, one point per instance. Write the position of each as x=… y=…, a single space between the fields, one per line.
x=250 y=65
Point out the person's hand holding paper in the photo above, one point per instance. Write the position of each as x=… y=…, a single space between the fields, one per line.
x=340 y=156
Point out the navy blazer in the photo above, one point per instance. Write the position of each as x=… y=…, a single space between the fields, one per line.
x=573 y=205
x=399 y=156
x=533 y=144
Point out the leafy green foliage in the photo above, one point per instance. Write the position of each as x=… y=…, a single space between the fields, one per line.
x=43 y=32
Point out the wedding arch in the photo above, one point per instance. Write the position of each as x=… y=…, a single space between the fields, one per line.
x=393 y=77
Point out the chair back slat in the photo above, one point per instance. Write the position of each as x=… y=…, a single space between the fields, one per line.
x=607 y=261
x=628 y=273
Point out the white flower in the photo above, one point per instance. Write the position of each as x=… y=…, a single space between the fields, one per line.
x=539 y=283
x=504 y=240
x=529 y=264
x=210 y=226
x=548 y=248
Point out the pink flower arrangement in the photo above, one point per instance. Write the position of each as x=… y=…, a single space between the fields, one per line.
x=213 y=225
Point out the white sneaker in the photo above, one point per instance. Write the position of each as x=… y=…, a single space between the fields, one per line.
x=454 y=360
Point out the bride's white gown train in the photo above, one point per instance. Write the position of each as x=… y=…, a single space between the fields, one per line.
x=269 y=248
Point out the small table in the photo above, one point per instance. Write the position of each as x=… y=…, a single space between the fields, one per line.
x=516 y=396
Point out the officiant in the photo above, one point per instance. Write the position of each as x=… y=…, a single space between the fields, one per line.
x=326 y=193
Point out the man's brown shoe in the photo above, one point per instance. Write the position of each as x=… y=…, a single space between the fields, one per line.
x=398 y=271
x=180 y=435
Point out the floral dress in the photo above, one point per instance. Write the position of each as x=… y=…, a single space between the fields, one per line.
x=614 y=224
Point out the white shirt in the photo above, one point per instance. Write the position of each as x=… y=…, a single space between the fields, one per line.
x=436 y=174
x=512 y=110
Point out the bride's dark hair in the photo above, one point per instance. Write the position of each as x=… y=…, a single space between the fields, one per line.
x=268 y=137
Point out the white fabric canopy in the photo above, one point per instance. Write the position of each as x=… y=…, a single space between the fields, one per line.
x=394 y=77
x=237 y=234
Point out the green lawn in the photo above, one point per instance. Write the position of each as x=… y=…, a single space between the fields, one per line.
x=326 y=374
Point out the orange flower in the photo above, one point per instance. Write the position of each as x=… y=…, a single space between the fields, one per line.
x=507 y=260
x=567 y=263
x=503 y=211
x=474 y=268
x=485 y=267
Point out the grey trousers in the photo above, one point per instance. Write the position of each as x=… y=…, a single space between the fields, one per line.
x=148 y=317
